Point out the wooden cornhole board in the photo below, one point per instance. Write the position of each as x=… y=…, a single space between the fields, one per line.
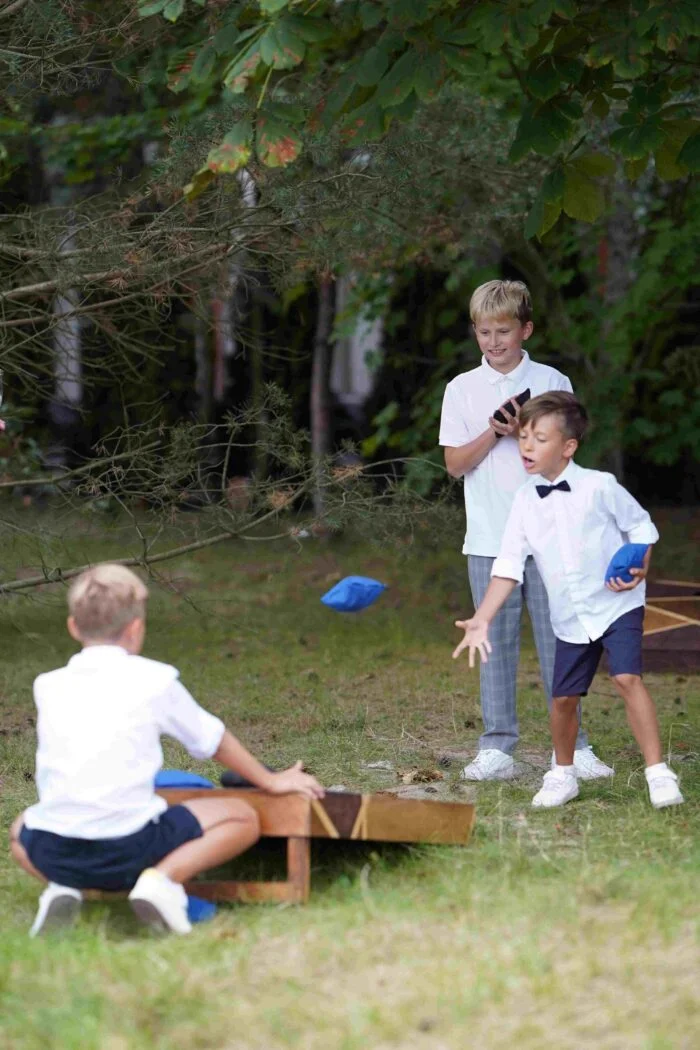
x=672 y=626
x=340 y=815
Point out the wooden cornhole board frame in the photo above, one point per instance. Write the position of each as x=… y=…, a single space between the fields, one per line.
x=672 y=626
x=340 y=815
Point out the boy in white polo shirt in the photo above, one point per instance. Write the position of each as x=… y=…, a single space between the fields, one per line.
x=484 y=451
x=572 y=521
x=98 y=823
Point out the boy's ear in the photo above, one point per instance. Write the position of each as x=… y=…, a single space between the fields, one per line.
x=528 y=329
x=73 y=629
x=570 y=446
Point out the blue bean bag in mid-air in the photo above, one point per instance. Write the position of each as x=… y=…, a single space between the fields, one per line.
x=353 y=593
x=629 y=556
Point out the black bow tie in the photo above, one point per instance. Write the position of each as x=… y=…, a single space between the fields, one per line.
x=544 y=490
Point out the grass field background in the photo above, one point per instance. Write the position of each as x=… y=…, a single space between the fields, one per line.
x=577 y=927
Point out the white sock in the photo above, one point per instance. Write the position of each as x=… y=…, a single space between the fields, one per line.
x=569 y=770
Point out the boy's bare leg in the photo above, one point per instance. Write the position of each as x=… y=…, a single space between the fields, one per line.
x=641 y=715
x=18 y=852
x=563 y=720
x=230 y=826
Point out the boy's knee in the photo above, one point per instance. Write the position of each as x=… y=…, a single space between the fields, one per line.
x=625 y=682
x=252 y=819
x=564 y=703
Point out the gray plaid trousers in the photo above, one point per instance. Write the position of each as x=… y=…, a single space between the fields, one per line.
x=499 y=675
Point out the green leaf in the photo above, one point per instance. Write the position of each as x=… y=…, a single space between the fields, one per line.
x=277 y=144
x=293 y=47
x=173 y=9
x=553 y=186
x=600 y=107
x=153 y=8
x=543 y=78
x=364 y=124
x=637 y=140
x=594 y=164
x=635 y=168
x=464 y=63
x=583 y=198
x=372 y=66
x=370 y=15
x=535 y=218
x=690 y=154
x=200 y=181
x=240 y=72
x=203 y=64
x=666 y=158
x=234 y=151
x=271 y=7
x=397 y=84
x=428 y=78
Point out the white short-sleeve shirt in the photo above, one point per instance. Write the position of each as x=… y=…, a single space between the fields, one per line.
x=572 y=537
x=99 y=723
x=490 y=487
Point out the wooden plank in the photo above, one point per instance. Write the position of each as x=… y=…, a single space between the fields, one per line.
x=391 y=819
x=246 y=892
x=656 y=619
x=280 y=815
x=299 y=868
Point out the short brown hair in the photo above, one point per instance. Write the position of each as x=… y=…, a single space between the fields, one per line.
x=573 y=418
x=501 y=299
x=104 y=599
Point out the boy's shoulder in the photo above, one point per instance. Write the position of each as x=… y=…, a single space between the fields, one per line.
x=138 y=669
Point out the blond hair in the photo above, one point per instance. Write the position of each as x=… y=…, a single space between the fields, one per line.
x=572 y=416
x=497 y=299
x=104 y=599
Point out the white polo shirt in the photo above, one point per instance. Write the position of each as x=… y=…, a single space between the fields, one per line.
x=100 y=720
x=572 y=537
x=490 y=487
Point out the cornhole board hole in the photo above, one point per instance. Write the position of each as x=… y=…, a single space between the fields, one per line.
x=672 y=626
x=340 y=815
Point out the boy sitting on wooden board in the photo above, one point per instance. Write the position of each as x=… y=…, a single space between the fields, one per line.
x=98 y=823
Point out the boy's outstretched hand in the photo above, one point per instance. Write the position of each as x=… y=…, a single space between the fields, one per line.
x=476 y=636
x=294 y=781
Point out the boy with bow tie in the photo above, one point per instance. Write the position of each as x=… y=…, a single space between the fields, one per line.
x=479 y=430
x=572 y=520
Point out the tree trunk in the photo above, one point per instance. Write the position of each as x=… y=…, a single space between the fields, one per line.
x=320 y=391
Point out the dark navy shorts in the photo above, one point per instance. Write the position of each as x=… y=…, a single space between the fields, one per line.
x=109 y=864
x=575 y=664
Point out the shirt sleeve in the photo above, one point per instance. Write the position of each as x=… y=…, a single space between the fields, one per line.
x=180 y=716
x=515 y=548
x=563 y=383
x=630 y=516
x=454 y=430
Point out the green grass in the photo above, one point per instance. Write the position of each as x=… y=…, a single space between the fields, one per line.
x=577 y=927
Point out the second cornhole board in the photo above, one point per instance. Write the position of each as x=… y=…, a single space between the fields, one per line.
x=340 y=815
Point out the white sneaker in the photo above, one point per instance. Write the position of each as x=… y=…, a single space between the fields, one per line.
x=558 y=787
x=663 y=786
x=489 y=764
x=58 y=907
x=588 y=766
x=160 y=902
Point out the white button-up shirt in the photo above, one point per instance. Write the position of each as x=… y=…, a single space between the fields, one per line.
x=572 y=537
x=100 y=719
x=489 y=488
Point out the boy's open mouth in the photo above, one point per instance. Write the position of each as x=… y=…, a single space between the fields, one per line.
x=527 y=462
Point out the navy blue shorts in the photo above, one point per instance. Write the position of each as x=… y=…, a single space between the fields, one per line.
x=109 y=864
x=575 y=663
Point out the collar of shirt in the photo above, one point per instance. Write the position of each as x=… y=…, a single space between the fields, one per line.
x=568 y=474
x=518 y=373
x=97 y=655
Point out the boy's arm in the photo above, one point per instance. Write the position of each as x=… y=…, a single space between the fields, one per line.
x=632 y=519
x=232 y=754
x=506 y=574
x=476 y=629
x=463 y=452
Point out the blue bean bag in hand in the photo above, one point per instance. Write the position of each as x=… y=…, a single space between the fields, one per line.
x=629 y=556
x=353 y=593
